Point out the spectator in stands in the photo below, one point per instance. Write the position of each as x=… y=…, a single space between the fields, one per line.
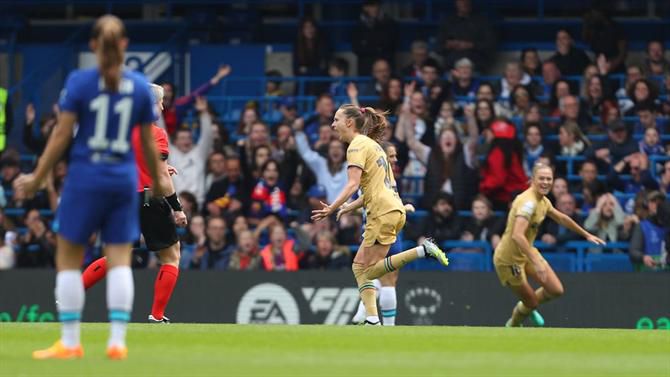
x=38 y=245
x=431 y=86
x=559 y=90
x=267 y=197
x=532 y=147
x=419 y=53
x=279 y=254
x=259 y=136
x=558 y=188
x=414 y=117
x=590 y=194
x=442 y=224
x=446 y=119
x=633 y=73
x=588 y=173
x=260 y=155
x=391 y=96
x=608 y=221
x=466 y=35
x=337 y=69
x=374 y=37
x=609 y=113
x=310 y=53
x=248 y=118
x=381 y=74
x=553 y=233
x=550 y=76
x=328 y=255
x=664 y=178
x=246 y=255
x=647 y=118
x=36 y=140
x=594 y=95
x=571 y=140
x=651 y=145
x=175 y=108
x=512 y=77
x=605 y=36
x=530 y=61
x=189 y=203
x=463 y=84
x=570 y=60
x=331 y=172
x=618 y=145
x=646 y=243
x=7 y=257
x=10 y=168
x=216 y=169
x=502 y=172
x=189 y=158
x=521 y=100
x=193 y=242
x=655 y=62
x=450 y=165
x=637 y=164
x=288 y=110
x=482 y=225
x=485 y=113
x=325 y=110
x=217 y=251
x=229 y=195
x=643 y=93
x=571 y=110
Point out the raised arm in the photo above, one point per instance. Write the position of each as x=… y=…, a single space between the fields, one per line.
x=470 y=150
x=206 y=140
x=421 y=150
x=315 y=161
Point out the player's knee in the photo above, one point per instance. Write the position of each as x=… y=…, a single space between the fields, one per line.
x=556 y=292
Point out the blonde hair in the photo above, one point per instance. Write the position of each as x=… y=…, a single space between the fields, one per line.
x=540 y=165
x=108 y=31
x=367 y=120
x=158 y=92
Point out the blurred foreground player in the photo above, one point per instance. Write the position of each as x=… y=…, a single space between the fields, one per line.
x=99 y=190
x=160 y=214
x=515 y=258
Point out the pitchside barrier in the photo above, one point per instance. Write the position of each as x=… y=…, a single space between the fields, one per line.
x=613 y=300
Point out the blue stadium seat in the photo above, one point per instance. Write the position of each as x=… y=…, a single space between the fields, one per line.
x=562 y=262
x=607 y=263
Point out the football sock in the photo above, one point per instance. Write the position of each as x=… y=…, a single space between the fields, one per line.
x=163 y=287
x=95 y=272
x=360 y=312
x=120 y=292
x=520 y=313
x=394 y=262
x=366 y=289
x=70 y=296
x=388 y=303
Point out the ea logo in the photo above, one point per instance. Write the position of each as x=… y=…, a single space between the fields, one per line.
x=268 y=303
x=423 y=303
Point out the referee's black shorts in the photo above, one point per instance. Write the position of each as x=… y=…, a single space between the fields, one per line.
x=157 y=223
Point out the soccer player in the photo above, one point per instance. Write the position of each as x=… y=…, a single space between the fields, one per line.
x=160 y=214
x=515 y=258
x=386 y=284
x=99 y=190
x=369 y=169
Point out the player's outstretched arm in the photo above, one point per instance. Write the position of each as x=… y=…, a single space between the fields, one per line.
x=569 y=223
x=58 y=142
x=353 y=182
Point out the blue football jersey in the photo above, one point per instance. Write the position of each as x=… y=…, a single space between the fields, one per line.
x=102 y=153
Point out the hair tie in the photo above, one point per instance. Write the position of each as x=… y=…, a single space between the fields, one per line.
x=362 y=110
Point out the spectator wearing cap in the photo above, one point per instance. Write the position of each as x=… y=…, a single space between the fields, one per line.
x=374 y=37
x=419 y=52
x=466 y=35
x=618 y=145
x=655 y=62
x=502 y=172
x=570 y=60
x=331 y=171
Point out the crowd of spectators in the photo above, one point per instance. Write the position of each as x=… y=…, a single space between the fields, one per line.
x=465 y=148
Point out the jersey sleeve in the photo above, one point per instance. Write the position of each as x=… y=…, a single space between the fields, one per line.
x=356 y=154
x=526 y=209
x=161 y=142
x=146 y=110
x=69 y=97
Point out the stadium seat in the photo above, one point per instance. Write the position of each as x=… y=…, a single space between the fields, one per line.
x=607 y=263
x=562 y=262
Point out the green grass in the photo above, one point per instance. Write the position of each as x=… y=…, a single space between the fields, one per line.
x=238 y=350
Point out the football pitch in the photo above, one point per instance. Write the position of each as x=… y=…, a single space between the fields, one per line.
x=262 y=350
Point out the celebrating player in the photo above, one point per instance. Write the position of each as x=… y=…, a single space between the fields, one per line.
x=368 y=169
x=160 y=215
x=386 y=284
x=99 y=190
x=515 y=257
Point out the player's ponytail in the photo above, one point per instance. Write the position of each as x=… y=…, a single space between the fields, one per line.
x=108 y=33
x=368 y=121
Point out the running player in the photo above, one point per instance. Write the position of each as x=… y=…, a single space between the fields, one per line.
x=99 y=190
x=386 y=284
x=160 y=215
x=515 y=257
x=369 y=169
